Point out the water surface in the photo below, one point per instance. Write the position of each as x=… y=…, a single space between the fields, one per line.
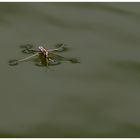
x=98 y=97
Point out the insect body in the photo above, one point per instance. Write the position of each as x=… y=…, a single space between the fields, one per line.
x=44 y=56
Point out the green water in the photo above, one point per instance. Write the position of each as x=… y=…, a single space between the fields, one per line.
x=99 y=97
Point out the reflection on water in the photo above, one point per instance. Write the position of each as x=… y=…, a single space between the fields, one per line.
x=99 y=97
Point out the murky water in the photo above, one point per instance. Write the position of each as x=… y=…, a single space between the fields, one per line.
x=100 y=97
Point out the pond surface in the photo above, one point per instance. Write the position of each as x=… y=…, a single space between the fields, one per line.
x=98 y=97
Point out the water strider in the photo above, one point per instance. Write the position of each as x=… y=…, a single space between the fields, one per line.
x=43 y=56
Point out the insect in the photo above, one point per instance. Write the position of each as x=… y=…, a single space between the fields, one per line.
x=43 y=56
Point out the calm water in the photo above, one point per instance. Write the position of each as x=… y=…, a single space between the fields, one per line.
x=100 y=97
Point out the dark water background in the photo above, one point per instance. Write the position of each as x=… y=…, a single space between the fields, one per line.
x=100 y=97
